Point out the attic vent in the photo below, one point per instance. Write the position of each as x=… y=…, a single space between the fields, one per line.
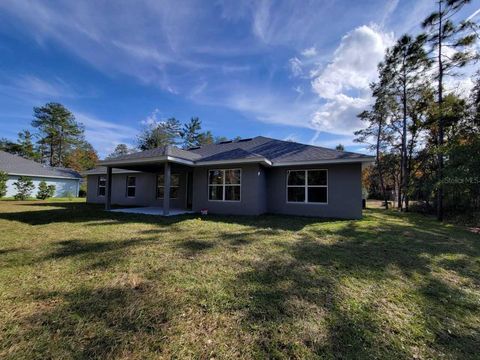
x=243 y=140
x=225 y=142
x=194 y=148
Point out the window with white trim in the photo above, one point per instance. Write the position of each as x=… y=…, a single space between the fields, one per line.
x=102 y=185
x=307 y=186
x=131 y=186
x=224 y=184
x=174 y=186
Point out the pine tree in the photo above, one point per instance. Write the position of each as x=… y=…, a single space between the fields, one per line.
x=24 y=187
x=58 y=131
x=450 y=45
x=26 y=146
x=159 y=134
x=120 y=150
x=403 y=74
x=45 y=191
x=191 y=133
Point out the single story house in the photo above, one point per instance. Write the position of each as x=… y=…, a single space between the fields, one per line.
x=66 y=181
x=242 y=177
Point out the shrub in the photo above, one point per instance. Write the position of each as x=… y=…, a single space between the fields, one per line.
x=24 y=187
x=3 y=183
x=83 y=190
x=45 y=191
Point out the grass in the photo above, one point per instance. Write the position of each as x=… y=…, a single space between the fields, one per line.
x=78 y=282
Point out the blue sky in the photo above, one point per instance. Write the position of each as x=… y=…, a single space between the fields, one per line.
x=287 y=69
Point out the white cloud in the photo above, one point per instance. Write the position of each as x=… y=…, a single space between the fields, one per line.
x=39 y=88
x=344 y=83
x=152 y=119
x=261 y=19
x=309 y=52
x=339 y=115
x=295 y=66
x=291 y=137
x=105 y=135
x=354 y=63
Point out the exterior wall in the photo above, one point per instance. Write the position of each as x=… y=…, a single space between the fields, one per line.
x=344 y=192
x=145 y=193
x=252 y=194
x=63 y=187
x=262 y=190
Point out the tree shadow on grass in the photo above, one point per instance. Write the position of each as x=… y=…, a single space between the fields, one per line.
x=312 y=272
x=93 y=254
x=88 y=323
x=81 y=212
x=192 y=248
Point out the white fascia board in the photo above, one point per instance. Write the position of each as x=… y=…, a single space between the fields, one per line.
x=320 y=162
x=117 y=163
x=45 y=176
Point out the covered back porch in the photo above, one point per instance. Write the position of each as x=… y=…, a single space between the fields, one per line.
x=147 y=188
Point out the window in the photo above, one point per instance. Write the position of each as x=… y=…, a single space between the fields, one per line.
x=102 y=182
x=307 y=186
x=131 y=186
x=224 y=185
x=174 y=186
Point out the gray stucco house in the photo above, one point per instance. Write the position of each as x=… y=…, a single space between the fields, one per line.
x=244 y=177
x=66 y=181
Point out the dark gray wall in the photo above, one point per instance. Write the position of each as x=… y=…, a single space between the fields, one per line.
x=263 y=190
x=344 y=192
x=252 y=196
x=145 y=194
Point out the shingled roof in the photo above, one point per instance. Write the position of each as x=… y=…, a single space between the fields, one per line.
x=17 y=165
x=272 y=151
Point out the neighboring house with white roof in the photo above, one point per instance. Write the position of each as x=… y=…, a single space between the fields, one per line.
x=66 y=181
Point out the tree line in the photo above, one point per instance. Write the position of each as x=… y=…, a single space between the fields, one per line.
x=170 y=132
x=426 y=138
x=57 y=139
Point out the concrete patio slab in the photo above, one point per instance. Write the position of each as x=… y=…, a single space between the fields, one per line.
x=152 y=210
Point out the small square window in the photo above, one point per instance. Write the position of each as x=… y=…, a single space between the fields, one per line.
x=296 y=194
x=131 y=192
x=296 y=177
x=317 y=194
x=232 y=193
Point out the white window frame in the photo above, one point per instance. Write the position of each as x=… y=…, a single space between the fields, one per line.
x=163 y=186
x=223 y=185
x=130 y=186
x=103 y=186
x=306 y=186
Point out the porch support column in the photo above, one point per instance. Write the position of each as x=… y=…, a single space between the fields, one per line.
x=166 y=189
x=108 y=197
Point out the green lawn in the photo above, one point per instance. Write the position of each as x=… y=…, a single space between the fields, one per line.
x=78 y=282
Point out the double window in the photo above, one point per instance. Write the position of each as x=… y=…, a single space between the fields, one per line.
x=174 y=186
x=307 y=186
x=131 y=186
x=224 y=185
x=102 y=185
